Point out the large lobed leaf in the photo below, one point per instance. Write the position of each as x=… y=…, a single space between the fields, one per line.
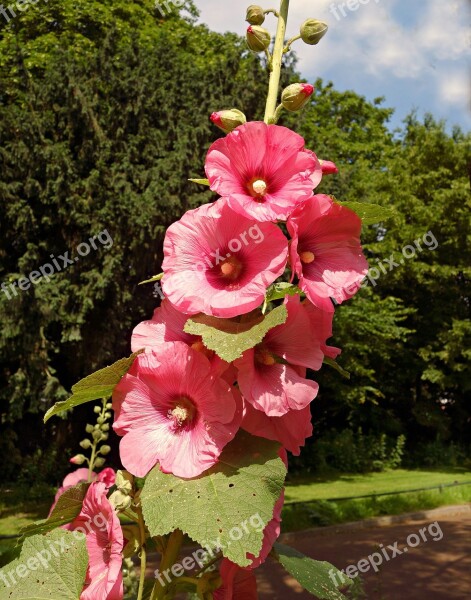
x=67 y=508
x=230 y=339
x=94 y=387
x=244 y=485
x=317 y=577
x=49 y=566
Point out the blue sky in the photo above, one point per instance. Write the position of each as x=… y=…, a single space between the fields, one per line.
x=416 y=53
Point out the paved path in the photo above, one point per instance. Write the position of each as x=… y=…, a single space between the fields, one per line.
x=434 y=570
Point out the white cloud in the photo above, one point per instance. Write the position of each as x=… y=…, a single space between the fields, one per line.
x=454 y=89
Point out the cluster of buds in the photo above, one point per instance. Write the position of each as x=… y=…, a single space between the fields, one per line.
x=122 y=497
x=98 y=434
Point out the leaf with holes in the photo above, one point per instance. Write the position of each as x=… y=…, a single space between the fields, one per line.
x=317 y=577
x=49 y=566
x=94 y=387
x=228 y=338
x=225 y=506
x=278 y=291
x=369 y=213
x=67 y=508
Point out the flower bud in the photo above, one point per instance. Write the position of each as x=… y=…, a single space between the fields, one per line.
x=107 y=415
x=79 y=459
x=100 y=420
x=228 y=120
x=105 y=450
x=258 y=38
x=124 y=481
x=105 y=427
x=109 y=405
x=89 y=428
x=104 y=436
x=297 y=95
x=97 y=435
x=97 y=410
x=328 y=167
x=120 y=501
x=86 y=444
x=312 y=31
x=99 y=462
x=255 y=15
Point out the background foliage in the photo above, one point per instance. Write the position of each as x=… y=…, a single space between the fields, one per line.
x=103 y=118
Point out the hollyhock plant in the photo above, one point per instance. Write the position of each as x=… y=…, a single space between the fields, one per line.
x=263 y=170
x=268 y=375
x=167 y=325
x=221 y=263
x=325 y=251
x=206 y=420
x=104 y=540
x=173 y=408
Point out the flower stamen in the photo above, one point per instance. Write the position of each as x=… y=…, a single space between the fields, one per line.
x=307 y=257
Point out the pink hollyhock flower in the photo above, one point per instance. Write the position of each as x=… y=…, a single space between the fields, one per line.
x=221 y=263
x=291 y=430
x=325 y=250
x=172 y=409
x=263 y=170
x=167 y=325
x=104 y=539
x=237 y=583
x=107 y=476
x=321 y=321
x=269 y=376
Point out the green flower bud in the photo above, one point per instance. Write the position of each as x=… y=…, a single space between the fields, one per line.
x=120 y=501
x=104 y=436
x=99 y=462
x=100 y=420
x=86 y=444
x=105 y=450
x=297 y=95
x=109 y=405
x=107 y=415
x=89 y=428
x=97 y=410
x=255 y=15
x=312 y=31
x=258 y=38
x=228 y=120
x=79 y=459
x=97 y=435
x=124 y=482
x=105 y=427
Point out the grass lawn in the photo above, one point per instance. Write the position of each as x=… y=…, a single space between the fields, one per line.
x=20 y=507
x=320 y=512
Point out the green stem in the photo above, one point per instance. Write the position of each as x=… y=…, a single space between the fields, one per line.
x=142 y=540
x=287 y=48
x=277 y=114
x=277 y=56
x=91 y=463
x=271 y=10
x=169 y=558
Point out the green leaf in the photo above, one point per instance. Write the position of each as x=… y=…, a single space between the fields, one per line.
x=94 y=387
x=152 y=279
x=335 y=365
x=369 y=213
x=230 y=339
x=49 y=566
x=239 y=492
x=279 y=290
x=67 y=508
x=200 y=181
x=316 y=577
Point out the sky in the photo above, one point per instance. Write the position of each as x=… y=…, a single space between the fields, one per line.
x=415 y=53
